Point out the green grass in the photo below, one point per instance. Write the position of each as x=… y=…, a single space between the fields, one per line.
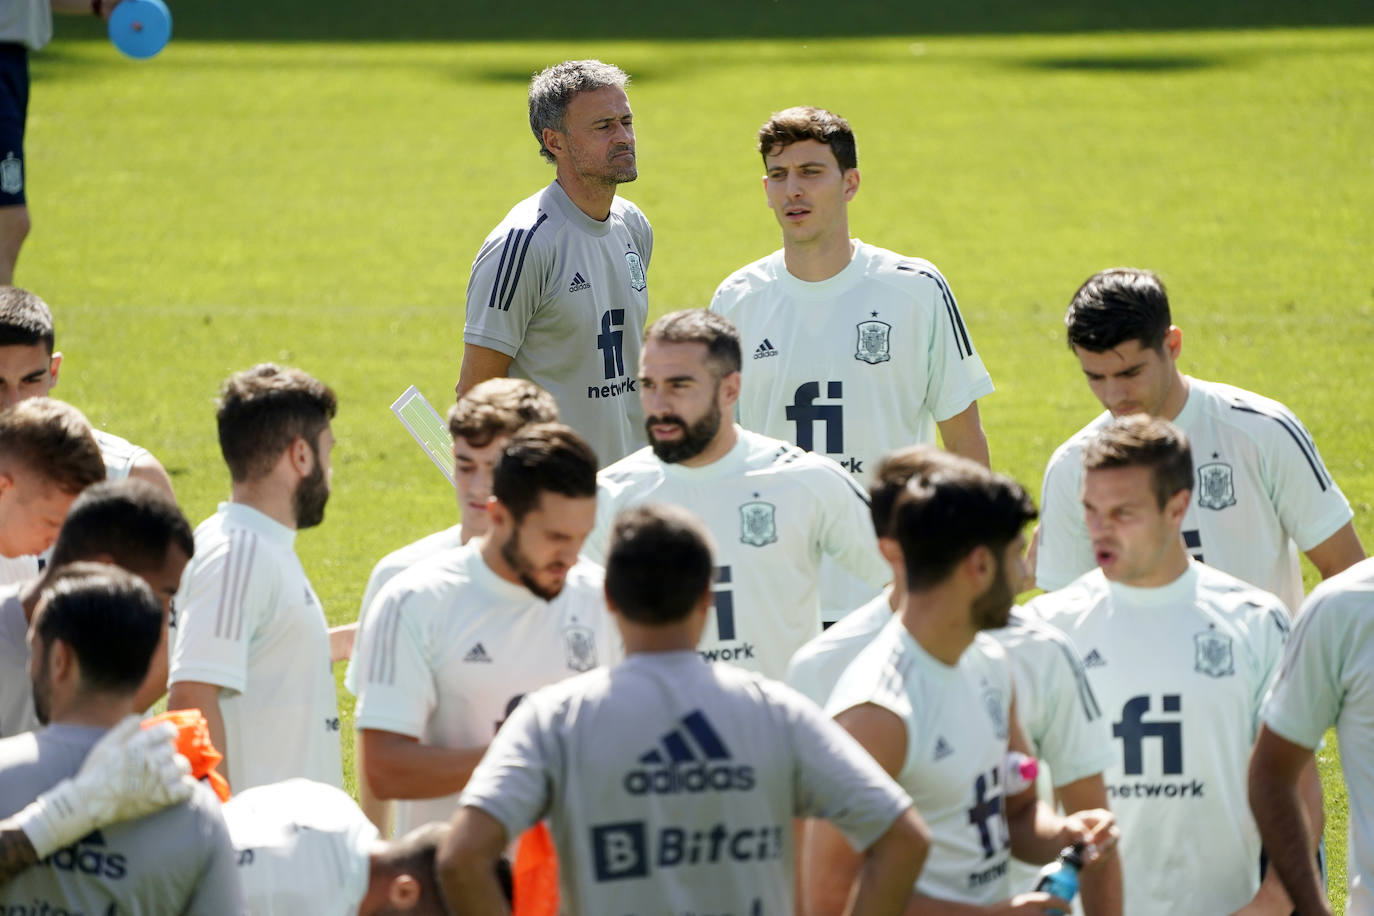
x=318 y=202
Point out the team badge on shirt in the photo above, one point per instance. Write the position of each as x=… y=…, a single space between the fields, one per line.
x=1214 y=657
x=757 y=525
x=638 y=280
x=580 y=645
x=1215 y=488
x=873 y=345
x=992 y=702
x=11 y=175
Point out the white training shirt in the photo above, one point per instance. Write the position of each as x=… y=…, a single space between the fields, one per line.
x=1260 y=487
x=773 y=511
x=302 y=846
x=671 y=785
x=120 y=454
x=1181 y=671
x=816 y=667
x=567 y=297
x=17 y=714
x=249 y=622
x=450 y=648
x=386 y=569
x=956 y=751
x=1325 y=681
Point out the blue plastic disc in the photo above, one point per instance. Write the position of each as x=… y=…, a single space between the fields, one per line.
x=140 y=28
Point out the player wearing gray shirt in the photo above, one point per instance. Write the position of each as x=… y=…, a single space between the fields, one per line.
x=16 y=693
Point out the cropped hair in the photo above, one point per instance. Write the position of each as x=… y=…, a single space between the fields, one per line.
x=896 y=470
x=794 y=125
x=718 y=333
x=25 y=319
x=1140 y=441
x=110 y=619
x=553 y=88
x=52 y=439
x=1119 y=305
x=499 y=407
x=941 y=518
x=130 y=520
x=263 y=410
x=658 y=565
x=543 y=458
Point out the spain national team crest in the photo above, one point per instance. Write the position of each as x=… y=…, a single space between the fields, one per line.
x=993 y=703
x=873 y=342
x=1216 y=487
x=638 y=279
x=11 y=175
x=580 y=645
x=1214 y=657
x=757 y=525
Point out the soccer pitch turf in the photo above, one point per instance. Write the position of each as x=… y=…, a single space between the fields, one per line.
x=319 y=203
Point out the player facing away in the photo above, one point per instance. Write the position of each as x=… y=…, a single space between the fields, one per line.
x=251 y=650
x=559 y=291
x=1260 y=491
x=671 y=783
x=452 y=644
x=773 y=509
x=94 y=632
x=129 y=523
x=1324 y=682
x=1180 y=656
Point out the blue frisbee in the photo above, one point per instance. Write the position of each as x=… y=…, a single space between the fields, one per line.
x=140 y=28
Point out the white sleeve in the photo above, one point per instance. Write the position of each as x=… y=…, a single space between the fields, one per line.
x=847 y=532
x=1305 y=497
x=597 y=544
x=397 y=691
x=1271 y=640
x=381 y=574
x=219 y=607
x=512 y=782
x=505 y=289
x=957 y=375
x=1069 y=731
x=1065 y=550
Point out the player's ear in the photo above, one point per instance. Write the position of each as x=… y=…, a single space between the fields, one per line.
x=851 y=183
x=301 y=456
x=53 y=367
x=403 y=892
x=1173 y=341
x=891 y=550
x=553 y=140
x=1176 y=506
x=729 y=389
x=980 y=566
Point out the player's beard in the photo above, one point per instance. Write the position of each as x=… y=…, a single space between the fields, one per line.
x=695 y=437
x=523 y=567
x=310 y=497
x=42 y=693
x=992 y=609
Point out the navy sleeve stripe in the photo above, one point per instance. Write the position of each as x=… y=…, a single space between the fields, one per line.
x=508 y=297
x=1299 y=436
x=514 y=234
x=961 y=341
x=1085 y=690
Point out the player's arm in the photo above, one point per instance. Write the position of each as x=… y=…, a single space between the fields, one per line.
x=399 y=766
x=467 y=863
x=147 y=467
x=1278 y=769
x=205 y=697
x=1337 y=553
x=479 y=364
x=890 y=867
x=1099 y=886
x=963 y=435
x=341 y=639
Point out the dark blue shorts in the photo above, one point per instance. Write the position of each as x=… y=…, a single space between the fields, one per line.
x=14 y=106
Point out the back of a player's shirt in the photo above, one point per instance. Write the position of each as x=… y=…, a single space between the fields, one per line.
x=1181 y=671
x=177 y=860
x=120 y=454
x=17 y=714
x=567 y=297
x=671 y=785
x=302 y=847
x=816 y=667
x=773 y=512
x=956 y=728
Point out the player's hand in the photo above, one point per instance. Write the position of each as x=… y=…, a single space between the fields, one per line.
x=1036 y=903
x=1096 y=829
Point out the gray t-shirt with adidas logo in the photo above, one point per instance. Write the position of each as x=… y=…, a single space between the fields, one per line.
x=567 y=297
x=178 y=860
x=671 y=784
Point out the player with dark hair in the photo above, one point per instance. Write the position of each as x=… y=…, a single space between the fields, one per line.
x=671 y=784
x=1260 y=490
x=559 y=290
x=451 y=644
x=252 y=647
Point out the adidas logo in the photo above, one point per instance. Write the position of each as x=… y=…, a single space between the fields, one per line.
x=942 y=748
x=578 y=283
x=477 y=653
x=1094 y=659
x=682 y=763
x=765 y=349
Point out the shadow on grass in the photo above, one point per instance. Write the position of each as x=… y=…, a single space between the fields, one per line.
x=1125 y=63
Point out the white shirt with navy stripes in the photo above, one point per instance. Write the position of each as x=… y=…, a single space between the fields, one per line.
x=567 y=297
x=773 y=511
x=249 y=622
x=1260 y=494
x=449 y=648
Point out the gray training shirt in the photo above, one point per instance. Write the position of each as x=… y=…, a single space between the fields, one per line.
x=16 y=691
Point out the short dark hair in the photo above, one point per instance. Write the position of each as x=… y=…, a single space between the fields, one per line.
x=52 y=439
x=717 y=332
x=263 y=410
x=25 y=319
x=416 y=854
x=1143 y=441
x=553 y=88
x=895 y=471
x=941 y=518
x=131 y=520
x=793 y=125
x=658 y=565
x=108 y=616
x=499 y=407
x=1117 y=305
x=543 y=458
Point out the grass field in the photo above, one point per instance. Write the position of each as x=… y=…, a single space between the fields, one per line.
x=277 y=186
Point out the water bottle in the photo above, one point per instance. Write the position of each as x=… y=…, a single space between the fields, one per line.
x=1060 y=877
